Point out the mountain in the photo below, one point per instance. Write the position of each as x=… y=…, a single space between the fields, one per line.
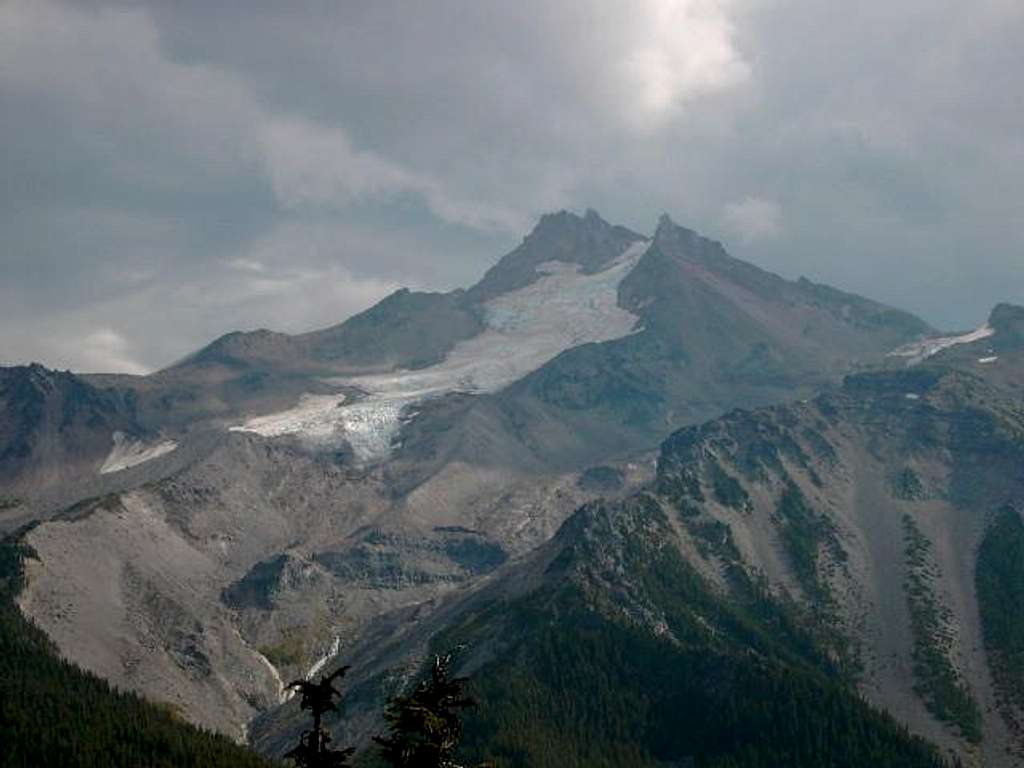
x=713 y=333
x=865 y=543
x=241 y=516
x=621 y=653
x=49 y=418
x=57 y=432
x=587 y=342
x=586 y=329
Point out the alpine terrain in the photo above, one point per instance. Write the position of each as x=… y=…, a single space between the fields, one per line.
x=679 y=509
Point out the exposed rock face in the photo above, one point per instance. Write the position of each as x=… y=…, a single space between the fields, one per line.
x=49 y=417
x=57 y=433
x=589 y=242
x=206 y=573
x=282 y=554
x=708 y=332
x=714 y=333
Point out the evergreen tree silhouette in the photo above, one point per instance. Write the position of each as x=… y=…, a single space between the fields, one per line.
x=312 y=750
x=425 y=726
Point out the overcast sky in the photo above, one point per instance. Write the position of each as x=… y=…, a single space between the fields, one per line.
x=174 y=170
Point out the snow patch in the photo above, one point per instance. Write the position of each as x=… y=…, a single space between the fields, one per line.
x=917 y=351
x=524 y=329
x=283 y=694
x=315 y=417
x=322 y=661
x=128 y=453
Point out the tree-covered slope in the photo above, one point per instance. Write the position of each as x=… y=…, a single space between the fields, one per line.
x=627 y=656
x=1000 y=585
x=54 y=714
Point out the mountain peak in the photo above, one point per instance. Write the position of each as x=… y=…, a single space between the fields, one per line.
x=555 y=220
x=1005 y=312
x=665 y=224
x=588 y=241
x=675 y=240
x=35 y=375
x=566 y=222
x=1007 y=320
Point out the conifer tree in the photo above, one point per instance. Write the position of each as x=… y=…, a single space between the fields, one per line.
x=312 y=750
x=425 y=726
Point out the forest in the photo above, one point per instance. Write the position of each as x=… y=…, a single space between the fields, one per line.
x=587 y=690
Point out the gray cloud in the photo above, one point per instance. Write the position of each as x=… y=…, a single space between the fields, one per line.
x=173 y=171
x=753 y=218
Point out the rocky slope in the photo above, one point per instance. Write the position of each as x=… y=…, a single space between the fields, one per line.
x=55 y=715
x=209 y=587
x=61 y=437
x=874 y=532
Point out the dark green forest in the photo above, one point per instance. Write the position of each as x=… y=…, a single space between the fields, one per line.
x=1000 y=585
x=605 y=697
x=729 y=683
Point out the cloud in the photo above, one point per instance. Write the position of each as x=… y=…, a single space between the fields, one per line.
x=156 y=153
x=60 y=342
x=107 y=65
x=148 y=327
x=286 y=298
x=684 y=49
x=107 y=350
x=753 y=219
x=310 y=165
x=246 y=265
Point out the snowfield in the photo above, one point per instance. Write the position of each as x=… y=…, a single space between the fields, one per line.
x=524 y=330
x=917 y=351
x=320 y=663
x=128 y=453
x=315 y=416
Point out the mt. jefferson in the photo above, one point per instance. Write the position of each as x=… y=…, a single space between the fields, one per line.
x=273 y=501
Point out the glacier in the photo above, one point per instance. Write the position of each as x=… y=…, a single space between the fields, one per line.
x=128 y=453
x=523 y=330
x=320 y=663
x=918 y=351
